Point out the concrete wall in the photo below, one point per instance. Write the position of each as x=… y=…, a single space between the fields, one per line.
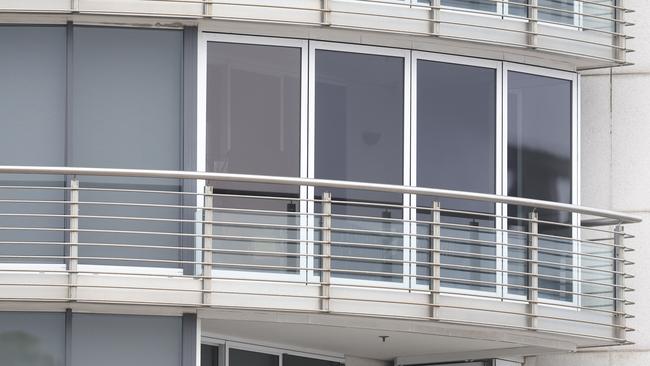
x=616 y=175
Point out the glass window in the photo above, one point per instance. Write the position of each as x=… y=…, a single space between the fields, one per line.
x=540 y=167
x=518 y=7
x=253 y=127
x=359 y=137
x=456 y=148
x=483 y=5
x=126 y=113
x=599 y=14
x=209 y=355
x=32 y=339
x=556 y=11
x=125 y=340
x=32 y=111
x=238 y=357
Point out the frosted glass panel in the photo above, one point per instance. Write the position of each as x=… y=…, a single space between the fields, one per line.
x=32 y=116
x=127 y=114
x=125 y=340
x=32 y=339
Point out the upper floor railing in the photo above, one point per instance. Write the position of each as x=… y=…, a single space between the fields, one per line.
x=590 y=32
x=177 y=238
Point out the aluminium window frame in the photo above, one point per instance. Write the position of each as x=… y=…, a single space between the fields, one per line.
x=225 y=342
x=498 y=185
x=307 y=249
x=201 y=147
x=406 y=141
x=502 y=11
x=575 y=175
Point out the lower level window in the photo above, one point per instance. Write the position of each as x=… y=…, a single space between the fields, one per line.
x=213 y=355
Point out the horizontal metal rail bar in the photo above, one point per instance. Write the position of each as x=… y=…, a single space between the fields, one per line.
x=575 y=272
x=227 y=177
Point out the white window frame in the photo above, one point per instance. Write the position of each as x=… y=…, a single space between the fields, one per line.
x=370 y=50
x=225 y=343
x=465 y=61
x=575 y=174
x=307 y=272
x=251 y=348
x=502 y=11
x=201 y=146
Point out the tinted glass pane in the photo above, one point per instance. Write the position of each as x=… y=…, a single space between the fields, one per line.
x=456 y=142
x=359 y=137
x=126 y=102
x=359 y=117
x=291 y=360
x=483 y=5
x=539 y=167
x=253 y=127
x=557 y=11
x=32 y=116
x=209 y=355
x=125 y=340
x=599 y=14
x=32 y=339
x=518 y=7
x=237 y=357
x=253 y=109
x=126 y=114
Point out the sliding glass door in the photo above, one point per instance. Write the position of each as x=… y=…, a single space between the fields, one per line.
x=359 y=119
x=455 y=129
x=388 y=116
x=254 y=114
x=541 y=164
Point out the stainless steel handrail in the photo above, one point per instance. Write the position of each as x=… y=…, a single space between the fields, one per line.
x=267 y=179
x=179 y=238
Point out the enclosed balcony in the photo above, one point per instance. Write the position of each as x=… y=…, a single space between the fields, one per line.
x=568 y=33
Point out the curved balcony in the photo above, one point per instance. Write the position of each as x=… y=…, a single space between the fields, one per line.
x=360 y=250
x=576 y=34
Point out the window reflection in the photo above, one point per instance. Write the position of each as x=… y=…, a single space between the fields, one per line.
x=482 y=5
x=456 y=150
x=539 y=167
x=557 y=11
x=253 y=127
x=359 y=137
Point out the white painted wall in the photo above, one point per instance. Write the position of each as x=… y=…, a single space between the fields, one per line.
x=616 y=175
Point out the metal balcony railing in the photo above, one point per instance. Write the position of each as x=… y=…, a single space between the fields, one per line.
x=590 y=29
x=295 y=244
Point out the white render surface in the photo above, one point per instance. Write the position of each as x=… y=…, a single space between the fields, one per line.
x=616 y=174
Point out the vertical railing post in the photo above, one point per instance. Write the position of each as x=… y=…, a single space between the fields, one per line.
x=619 y=28
x=533 y=268
x=206 y=257
x=325 y=12
x=533 y=22
x=619 y=255
x=434 y=15
x=326 y=273
x=73 y=239
x=207 y=8
x=435 y=261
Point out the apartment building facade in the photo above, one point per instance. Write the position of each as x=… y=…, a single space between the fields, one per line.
x=320 y=182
